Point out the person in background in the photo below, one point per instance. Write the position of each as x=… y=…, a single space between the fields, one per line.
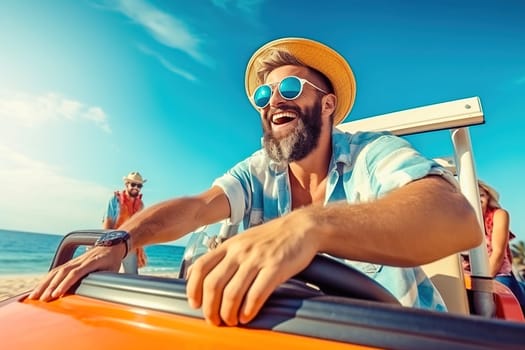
x=368 y=199
x=122 y=206
x=497 y=236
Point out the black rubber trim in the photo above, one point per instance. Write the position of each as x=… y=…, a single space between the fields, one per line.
x=337 y=279
x=297 y=311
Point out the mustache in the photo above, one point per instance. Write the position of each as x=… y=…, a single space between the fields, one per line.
x=283 y=108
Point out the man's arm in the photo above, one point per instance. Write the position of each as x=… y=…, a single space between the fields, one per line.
x=159 y=223
x=416 y=224
x=419 y=223
x=172 y=219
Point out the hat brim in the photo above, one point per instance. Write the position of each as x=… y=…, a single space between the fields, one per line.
x=125 y=179
x=315 y=55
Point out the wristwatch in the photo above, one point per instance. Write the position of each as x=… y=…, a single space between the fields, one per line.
x=112 y=238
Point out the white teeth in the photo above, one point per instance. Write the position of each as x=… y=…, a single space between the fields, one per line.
x=278 y=117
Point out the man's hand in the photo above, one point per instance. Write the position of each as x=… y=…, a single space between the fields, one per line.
x=59 y=280
x=232 y=282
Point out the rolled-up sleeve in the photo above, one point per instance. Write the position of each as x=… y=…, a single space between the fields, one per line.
x=390 y=162
x=236 y=196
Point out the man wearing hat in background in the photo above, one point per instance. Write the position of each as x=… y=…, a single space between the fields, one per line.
x=121 y=206
x=364 y=197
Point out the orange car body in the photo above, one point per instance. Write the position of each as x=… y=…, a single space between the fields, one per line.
x=76 y=322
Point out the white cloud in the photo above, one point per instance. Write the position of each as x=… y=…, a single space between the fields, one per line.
x=248 y=7
x=31 y=110
x=164 y=27
x=168 y=65
x=37 y=197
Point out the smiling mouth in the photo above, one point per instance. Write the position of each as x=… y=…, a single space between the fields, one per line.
x=283 y=118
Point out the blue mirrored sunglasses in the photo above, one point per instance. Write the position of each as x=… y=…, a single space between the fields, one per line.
x=289 y=88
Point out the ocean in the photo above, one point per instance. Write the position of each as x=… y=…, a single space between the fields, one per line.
x=27 y=253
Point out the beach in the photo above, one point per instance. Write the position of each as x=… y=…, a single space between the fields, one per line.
x=13 y=285
x=25 y=257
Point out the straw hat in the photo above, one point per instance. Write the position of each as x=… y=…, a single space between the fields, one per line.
x=494 y=195
x=315 y=55
x=134 y=176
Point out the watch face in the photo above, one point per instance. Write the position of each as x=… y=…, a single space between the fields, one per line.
x=112 y=238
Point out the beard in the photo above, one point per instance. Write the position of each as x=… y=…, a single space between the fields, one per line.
x=132 y=193
x=298 y=143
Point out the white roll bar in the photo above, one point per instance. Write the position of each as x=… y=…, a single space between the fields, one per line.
x=456 y=116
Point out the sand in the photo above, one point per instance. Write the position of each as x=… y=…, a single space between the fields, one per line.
x=11 y=285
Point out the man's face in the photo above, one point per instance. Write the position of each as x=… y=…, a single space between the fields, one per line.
x=133 y=188
x=291 y=127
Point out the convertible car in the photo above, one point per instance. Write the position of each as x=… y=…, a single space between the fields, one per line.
x=345 y=310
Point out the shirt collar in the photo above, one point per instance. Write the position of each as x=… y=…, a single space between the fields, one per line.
x=341 y=157
x=340 y=153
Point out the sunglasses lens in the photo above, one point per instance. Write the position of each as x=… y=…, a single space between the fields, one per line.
x=290 y=87
x=139 y=185
x=262 y=95
x=136 y=185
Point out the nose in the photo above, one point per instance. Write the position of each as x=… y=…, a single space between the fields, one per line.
x=276 y=99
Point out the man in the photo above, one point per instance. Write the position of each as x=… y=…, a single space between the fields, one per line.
x=121 y=206
x=367 y=197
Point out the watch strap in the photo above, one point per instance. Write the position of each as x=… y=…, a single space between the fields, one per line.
x=127 y=244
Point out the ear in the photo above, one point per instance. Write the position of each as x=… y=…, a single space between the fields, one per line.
x=329 y=102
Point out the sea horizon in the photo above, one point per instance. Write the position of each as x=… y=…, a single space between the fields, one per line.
x=31 y=253
x=32 y=232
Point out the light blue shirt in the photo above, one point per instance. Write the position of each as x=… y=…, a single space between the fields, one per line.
x=113 y=209
x=365 y=166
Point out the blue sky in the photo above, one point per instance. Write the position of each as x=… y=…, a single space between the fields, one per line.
x=91 y=90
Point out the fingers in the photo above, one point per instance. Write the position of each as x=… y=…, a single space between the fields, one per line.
x=55 y=284
x=41 y=288
x=259 y=291
x=233 y=294
x=217 y=284
x=228 y=291
x=232 y=282
x=213 y=287
x=197 y=273
x=64 y=280
x=59 y=280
